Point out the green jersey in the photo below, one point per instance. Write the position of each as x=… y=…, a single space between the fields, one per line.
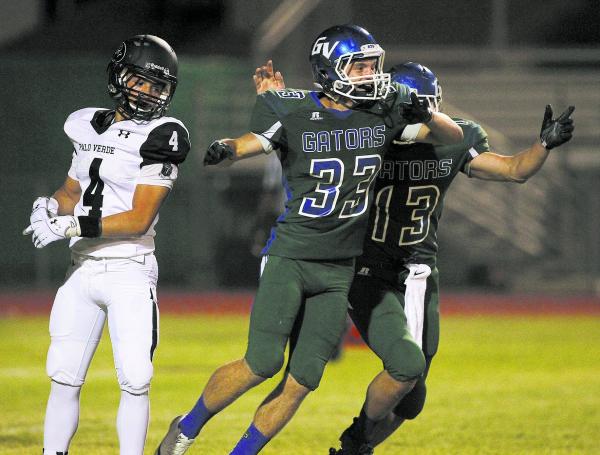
x=409 y=198
x=329 y=159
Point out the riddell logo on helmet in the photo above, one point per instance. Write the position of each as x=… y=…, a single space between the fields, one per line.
x=154 y=66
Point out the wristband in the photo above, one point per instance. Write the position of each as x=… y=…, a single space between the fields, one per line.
x=90 y=226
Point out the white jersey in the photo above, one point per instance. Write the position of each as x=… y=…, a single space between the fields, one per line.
x=109 y=160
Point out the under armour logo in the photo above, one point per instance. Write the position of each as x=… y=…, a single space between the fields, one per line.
x=124 y=133
x=316 y=116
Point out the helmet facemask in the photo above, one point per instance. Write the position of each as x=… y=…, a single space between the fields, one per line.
x=150 y=60
x=369 y=87
x=137 y=104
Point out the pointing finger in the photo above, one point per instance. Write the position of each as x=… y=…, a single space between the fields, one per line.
x=566 y=114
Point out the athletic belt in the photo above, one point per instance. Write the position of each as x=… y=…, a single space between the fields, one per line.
x=80 y=259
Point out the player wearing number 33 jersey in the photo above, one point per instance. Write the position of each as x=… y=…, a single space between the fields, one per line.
x=330 y=143
x=125 y=162
x=329 y=159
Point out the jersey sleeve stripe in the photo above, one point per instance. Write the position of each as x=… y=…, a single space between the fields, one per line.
x=272 y=130
x=267 y=145
x=474 y=153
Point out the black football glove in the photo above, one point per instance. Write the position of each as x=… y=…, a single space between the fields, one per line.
x=416 y=111
x=556 y=132
x=217 y=152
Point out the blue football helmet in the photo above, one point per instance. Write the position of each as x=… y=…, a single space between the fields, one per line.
x=421 y=80
x=332 y=55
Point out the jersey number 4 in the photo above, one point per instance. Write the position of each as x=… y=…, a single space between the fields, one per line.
x=93 y=194
x=330 y=172
x=422 y=200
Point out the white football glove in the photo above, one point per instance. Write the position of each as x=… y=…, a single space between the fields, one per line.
x=46 y=230
x=42 y=204
x=43 y=207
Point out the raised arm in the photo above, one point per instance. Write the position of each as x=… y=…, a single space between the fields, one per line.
x=426 y=125
x=441 y=129
x=520 y=167
x=265 y=78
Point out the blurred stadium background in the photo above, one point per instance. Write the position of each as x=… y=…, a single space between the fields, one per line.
x=499 y=62
x=513 y=248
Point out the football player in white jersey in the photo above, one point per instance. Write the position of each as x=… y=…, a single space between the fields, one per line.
x=125 y=162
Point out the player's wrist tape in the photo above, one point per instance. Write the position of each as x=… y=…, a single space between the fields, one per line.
x=410 y=132
x=89 y=226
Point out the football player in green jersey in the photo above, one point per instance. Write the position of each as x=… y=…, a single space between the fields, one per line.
x=330 y=145
x=394 y=295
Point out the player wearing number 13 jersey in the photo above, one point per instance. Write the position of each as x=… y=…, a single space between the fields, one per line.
x=125 y=162
x=330 y=144
x=409 y=197
x=394 y=296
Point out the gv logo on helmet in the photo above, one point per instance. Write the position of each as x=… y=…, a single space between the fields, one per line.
x=321 y=47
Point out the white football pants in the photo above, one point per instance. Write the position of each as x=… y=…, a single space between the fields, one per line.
x=125 y=291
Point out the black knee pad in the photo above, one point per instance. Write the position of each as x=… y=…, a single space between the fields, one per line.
x=412 y=404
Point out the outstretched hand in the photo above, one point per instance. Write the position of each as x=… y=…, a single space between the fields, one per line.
x=556 y=132
x=217 y=152
x=265 y=78
x=416 y=111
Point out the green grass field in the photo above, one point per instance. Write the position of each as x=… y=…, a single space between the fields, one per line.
x=499 y=385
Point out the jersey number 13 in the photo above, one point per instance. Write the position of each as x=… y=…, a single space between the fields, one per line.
x=420 y=204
